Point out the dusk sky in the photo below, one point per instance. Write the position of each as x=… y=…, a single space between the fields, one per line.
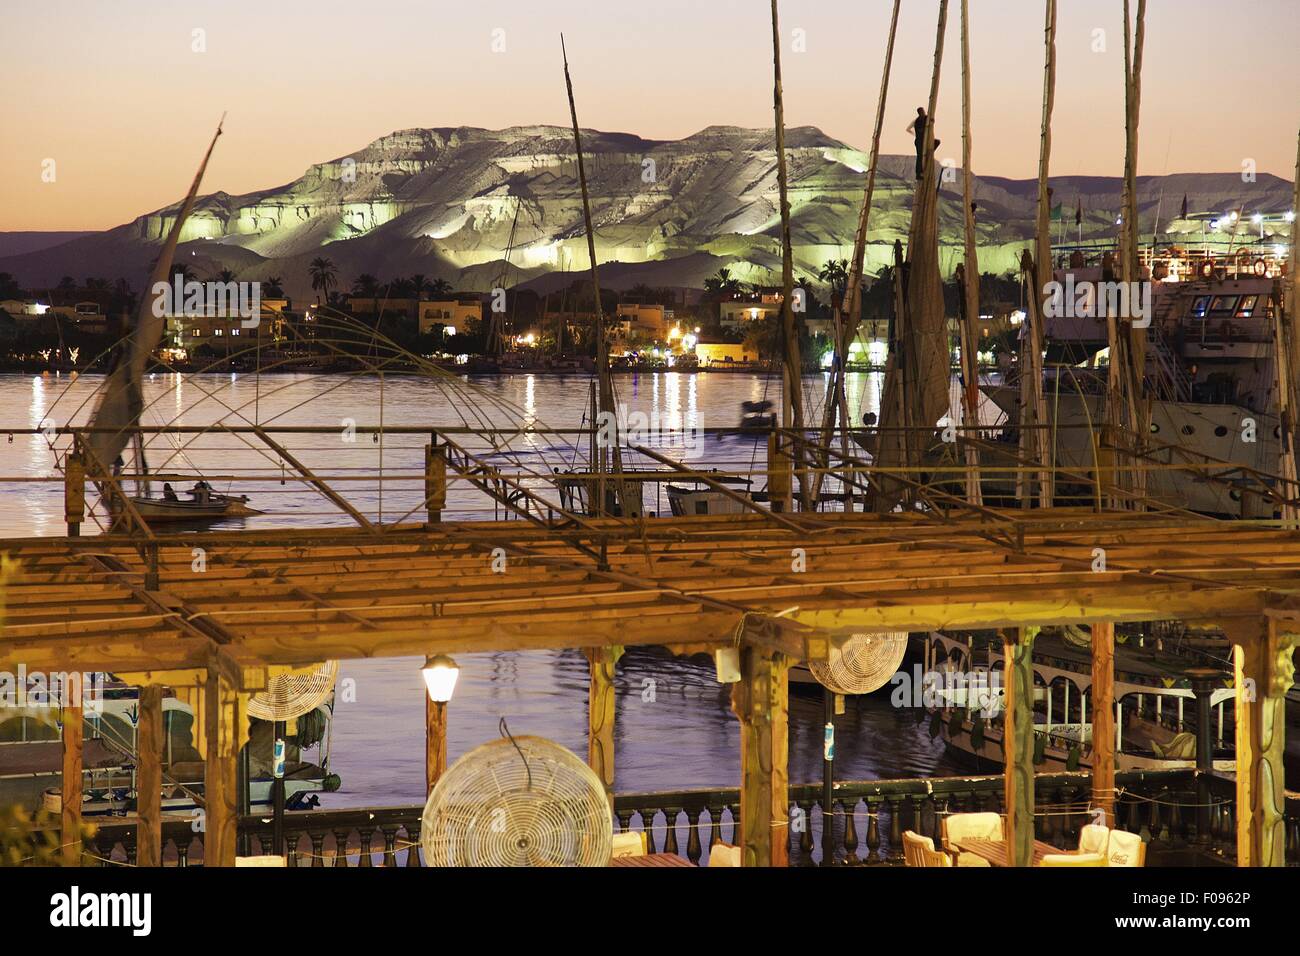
x=115 y=94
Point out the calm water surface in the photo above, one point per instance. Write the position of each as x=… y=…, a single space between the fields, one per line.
x=675 y=728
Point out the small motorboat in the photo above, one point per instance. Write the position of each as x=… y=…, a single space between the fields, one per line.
x=757 y=416
x=213 y=506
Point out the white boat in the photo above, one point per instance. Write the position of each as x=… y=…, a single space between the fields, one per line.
x=211 y=507
x=1155 y=707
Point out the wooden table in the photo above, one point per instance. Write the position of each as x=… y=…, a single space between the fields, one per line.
x=995 y=851
x=652 y=859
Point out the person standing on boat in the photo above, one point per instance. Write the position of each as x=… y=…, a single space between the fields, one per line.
x=200 y=491
x=168 y=493
x=918 y=127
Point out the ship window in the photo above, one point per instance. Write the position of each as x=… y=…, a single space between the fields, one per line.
x=1221 y=430
x=1154 y=428
x=1222 y=304
x=1247 y=307
x=1188 y=430
x=1200 y=305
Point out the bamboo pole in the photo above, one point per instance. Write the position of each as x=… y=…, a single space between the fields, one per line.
x=1139 y=409
x=792 y=391
x=1287 y=352
x=148 y=777
x=846 y=320
x=762 y=703
x=971 y=276
x=225 y=728
x=601 y=712
x=1103 y=718
x=1018 y=742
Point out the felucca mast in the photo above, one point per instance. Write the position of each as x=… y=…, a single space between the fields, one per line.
x=121 y=401
x=969 y=329
x=846 y=320
x=1034 y=440
x=792 y=379
x=606 y=385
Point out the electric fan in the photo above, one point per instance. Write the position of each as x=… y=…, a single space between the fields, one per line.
x=522 y=801
x=295 y=692
x=863 y=663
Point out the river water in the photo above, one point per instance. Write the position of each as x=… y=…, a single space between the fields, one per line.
x=675 y=728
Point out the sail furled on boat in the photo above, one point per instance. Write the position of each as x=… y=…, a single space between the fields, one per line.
x=121 y=399
x=915 y=395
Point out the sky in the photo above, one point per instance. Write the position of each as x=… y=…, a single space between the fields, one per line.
x=122 y=95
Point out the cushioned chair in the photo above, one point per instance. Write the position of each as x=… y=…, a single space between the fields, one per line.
x=1093 y=838
x=1073 y=859
x=723 y=854
x=631 y=843
x=970 y=826
x=1125 y=849
x=919 y=851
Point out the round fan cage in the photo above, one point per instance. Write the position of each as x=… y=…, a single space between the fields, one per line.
x=863 y=663
x=526 y=802
x=295 y=692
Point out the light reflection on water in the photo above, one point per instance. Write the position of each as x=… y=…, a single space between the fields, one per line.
x=684 y=735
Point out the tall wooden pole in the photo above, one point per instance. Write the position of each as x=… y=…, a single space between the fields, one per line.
x=601 y=710
x=846 y=320
x=1103 y=718
x=1134 y=367
x=148 y=777
x=971 y=275
x=792 y=390
x=72 y=716
x=761 y=700
x=1287 y=351
x=435 y=742
x=1264 y=670
x=602 y=346
x=1018 y=742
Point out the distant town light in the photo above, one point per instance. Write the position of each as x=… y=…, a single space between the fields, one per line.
x=1290 y=216
x=1257 y=219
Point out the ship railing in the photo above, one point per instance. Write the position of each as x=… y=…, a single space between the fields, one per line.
x=867 y=817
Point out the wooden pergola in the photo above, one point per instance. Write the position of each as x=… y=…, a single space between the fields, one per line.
x=214 y=615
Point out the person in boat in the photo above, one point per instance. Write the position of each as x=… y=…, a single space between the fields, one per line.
x=200 y=491
x=169 y=493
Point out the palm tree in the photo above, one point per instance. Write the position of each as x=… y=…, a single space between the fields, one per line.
x=400 y=288
x=835 y=272
x=226 y=275
x=323 y=276
x=722 y=284
x=439 y=288
x=273 y=287
x=67 y=284
x=366 y=285
x=419 y=282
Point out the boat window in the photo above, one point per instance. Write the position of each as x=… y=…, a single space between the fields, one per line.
x=1247 y=307
x=1200 y=305
x=1222 y=304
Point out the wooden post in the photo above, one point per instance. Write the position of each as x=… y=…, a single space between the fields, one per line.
x=74 y=493
x=435 y=480
x=762 y=702
x=1264 y=671
x=779 y=471
x=1103 y=718
x=1018 y=742
x=148 y=778
x=435 y=742
x=601 y=708
x=225 y=730
x=73 y=719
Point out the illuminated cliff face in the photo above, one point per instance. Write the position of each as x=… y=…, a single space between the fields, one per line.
x=445 y=202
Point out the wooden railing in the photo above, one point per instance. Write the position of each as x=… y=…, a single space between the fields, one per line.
x=868 y=820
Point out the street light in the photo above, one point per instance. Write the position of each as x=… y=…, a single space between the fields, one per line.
x=440 y=673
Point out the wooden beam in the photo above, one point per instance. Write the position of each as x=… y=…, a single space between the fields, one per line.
x=1103 y=718
x=225 y=730
x=762 y=702
x=1018 y=742
x=435 y=742
x=148 y=777
x=73 y=719
x=601 y=710
x=1264 y=671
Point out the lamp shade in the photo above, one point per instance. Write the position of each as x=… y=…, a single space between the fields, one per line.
x=440 y=673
